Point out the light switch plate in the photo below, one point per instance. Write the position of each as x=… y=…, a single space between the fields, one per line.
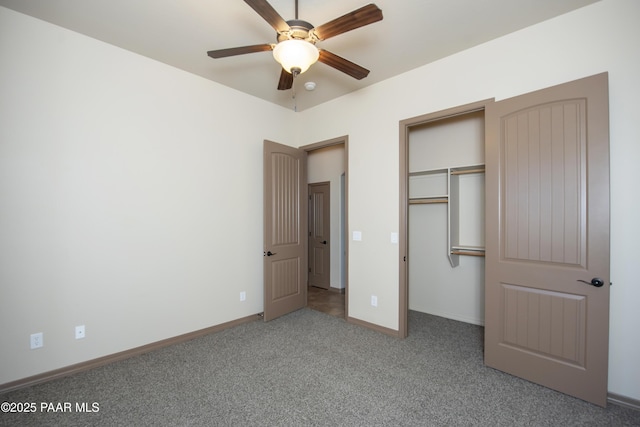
x=357 y=235
x=394 y=237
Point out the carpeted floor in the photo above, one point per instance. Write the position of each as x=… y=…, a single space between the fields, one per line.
x=309 y=368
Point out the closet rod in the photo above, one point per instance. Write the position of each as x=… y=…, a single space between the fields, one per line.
x=466 y=171
x=428 y=201
x=471 y=253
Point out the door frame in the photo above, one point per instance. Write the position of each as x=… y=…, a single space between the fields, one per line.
x=403 y=261
x=344 y=141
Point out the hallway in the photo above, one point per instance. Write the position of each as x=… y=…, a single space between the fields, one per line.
x=330 y=301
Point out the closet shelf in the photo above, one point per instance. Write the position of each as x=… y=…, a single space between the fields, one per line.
x=429 y=172
x=468 y=248
x=443 y=186
x=456 y=248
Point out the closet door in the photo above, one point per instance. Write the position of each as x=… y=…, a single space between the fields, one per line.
x=547 y=232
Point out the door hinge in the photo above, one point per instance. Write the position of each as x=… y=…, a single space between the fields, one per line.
x=309 y=269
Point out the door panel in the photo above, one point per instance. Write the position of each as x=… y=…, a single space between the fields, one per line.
x=547 y=172
x=319 y=235
x=545 y=149
x=285 y=225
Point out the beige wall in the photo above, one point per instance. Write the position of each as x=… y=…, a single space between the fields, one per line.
x=601 y=37
x=130 y=198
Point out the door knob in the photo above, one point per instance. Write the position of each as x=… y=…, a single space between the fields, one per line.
x=324 y=242
x=594 y=282
x=269 y=253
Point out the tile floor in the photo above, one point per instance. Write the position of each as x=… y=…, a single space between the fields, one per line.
x=327 y=301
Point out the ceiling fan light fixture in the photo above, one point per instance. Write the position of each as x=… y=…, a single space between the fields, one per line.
x=295 y=54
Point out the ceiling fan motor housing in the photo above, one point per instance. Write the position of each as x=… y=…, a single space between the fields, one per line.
x=300 y=30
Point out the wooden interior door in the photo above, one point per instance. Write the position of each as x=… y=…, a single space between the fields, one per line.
x=285 y=230
x=319 y=235
x=547 y=228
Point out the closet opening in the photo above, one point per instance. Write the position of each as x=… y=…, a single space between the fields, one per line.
x=442 y=205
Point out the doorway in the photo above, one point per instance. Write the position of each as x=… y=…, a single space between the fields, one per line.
x=285 y=247
x=327 y=175
x=442 y=215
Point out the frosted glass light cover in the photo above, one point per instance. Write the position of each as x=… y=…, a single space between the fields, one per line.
x=295 y=54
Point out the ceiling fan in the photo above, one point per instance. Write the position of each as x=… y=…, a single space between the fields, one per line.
x=296 y=50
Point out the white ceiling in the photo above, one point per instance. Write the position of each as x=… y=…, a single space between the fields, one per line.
x=180 y=32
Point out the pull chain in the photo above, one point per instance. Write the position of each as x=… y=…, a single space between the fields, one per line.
x=293 y=95
x=295 y=73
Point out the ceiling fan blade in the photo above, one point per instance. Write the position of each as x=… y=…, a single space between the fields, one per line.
x=286 y=80
x=344 y=65
x=358 y=18
x=269 y=14
x=233 y=51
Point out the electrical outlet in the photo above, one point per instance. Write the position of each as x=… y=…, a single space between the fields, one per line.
x=79 y=332
x=243 y=296
x=374 y=300
x=37 y=340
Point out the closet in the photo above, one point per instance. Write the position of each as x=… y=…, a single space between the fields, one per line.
x=446 y=217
